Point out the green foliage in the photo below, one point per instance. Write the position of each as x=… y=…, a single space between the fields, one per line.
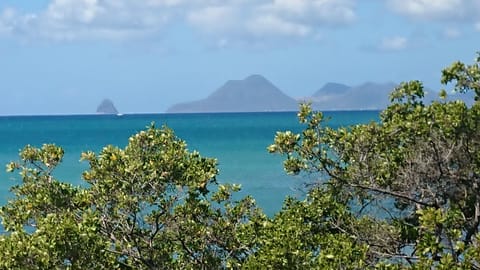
x=49 y=223
x=401 y=193
x=308 y=235
x=415 y=174
x=465 y=77
x=147 y=206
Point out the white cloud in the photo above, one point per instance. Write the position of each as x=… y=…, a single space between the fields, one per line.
x=258 y=20
x=451 y=10
x=263 y=26
x=451 y=33
x=213 y=19
x=395 y=43
x=312 y=11
x=477 y=26
x=7 y=20
x=222 y=19
x=163 y=3
x=87 y=19
x=82 y=11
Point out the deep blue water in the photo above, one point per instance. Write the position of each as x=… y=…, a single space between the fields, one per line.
x=237 y=140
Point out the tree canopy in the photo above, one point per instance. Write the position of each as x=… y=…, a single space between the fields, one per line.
x=414 y=175
x=146 y=207
x=399 y=193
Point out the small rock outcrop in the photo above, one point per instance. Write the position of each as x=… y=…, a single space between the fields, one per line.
x=107 y=107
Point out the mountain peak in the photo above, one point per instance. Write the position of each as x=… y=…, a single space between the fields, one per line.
x=331 y=88
x=369 y=95
x=255 y=78
x=252 y=81
x=253 y=94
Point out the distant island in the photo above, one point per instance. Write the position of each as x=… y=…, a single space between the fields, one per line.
x=107 y=107
x=367 y=96
x=255 y=93
x=252 y=94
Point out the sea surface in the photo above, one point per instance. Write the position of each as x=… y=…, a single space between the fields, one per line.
x=237 y=140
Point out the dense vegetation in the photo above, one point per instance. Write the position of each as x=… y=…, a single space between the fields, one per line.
x=400 y=193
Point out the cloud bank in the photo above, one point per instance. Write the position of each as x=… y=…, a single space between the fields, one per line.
x=396 y=43
x=223 y=19
x=438 y=10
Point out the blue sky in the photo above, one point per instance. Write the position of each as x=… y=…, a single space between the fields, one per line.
x=65 y=56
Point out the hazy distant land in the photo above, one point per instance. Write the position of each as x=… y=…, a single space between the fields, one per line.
x=255 y=93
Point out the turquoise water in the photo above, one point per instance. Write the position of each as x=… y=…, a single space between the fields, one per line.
x=237 y=140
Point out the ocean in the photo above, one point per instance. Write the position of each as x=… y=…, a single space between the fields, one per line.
x=237 y=140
